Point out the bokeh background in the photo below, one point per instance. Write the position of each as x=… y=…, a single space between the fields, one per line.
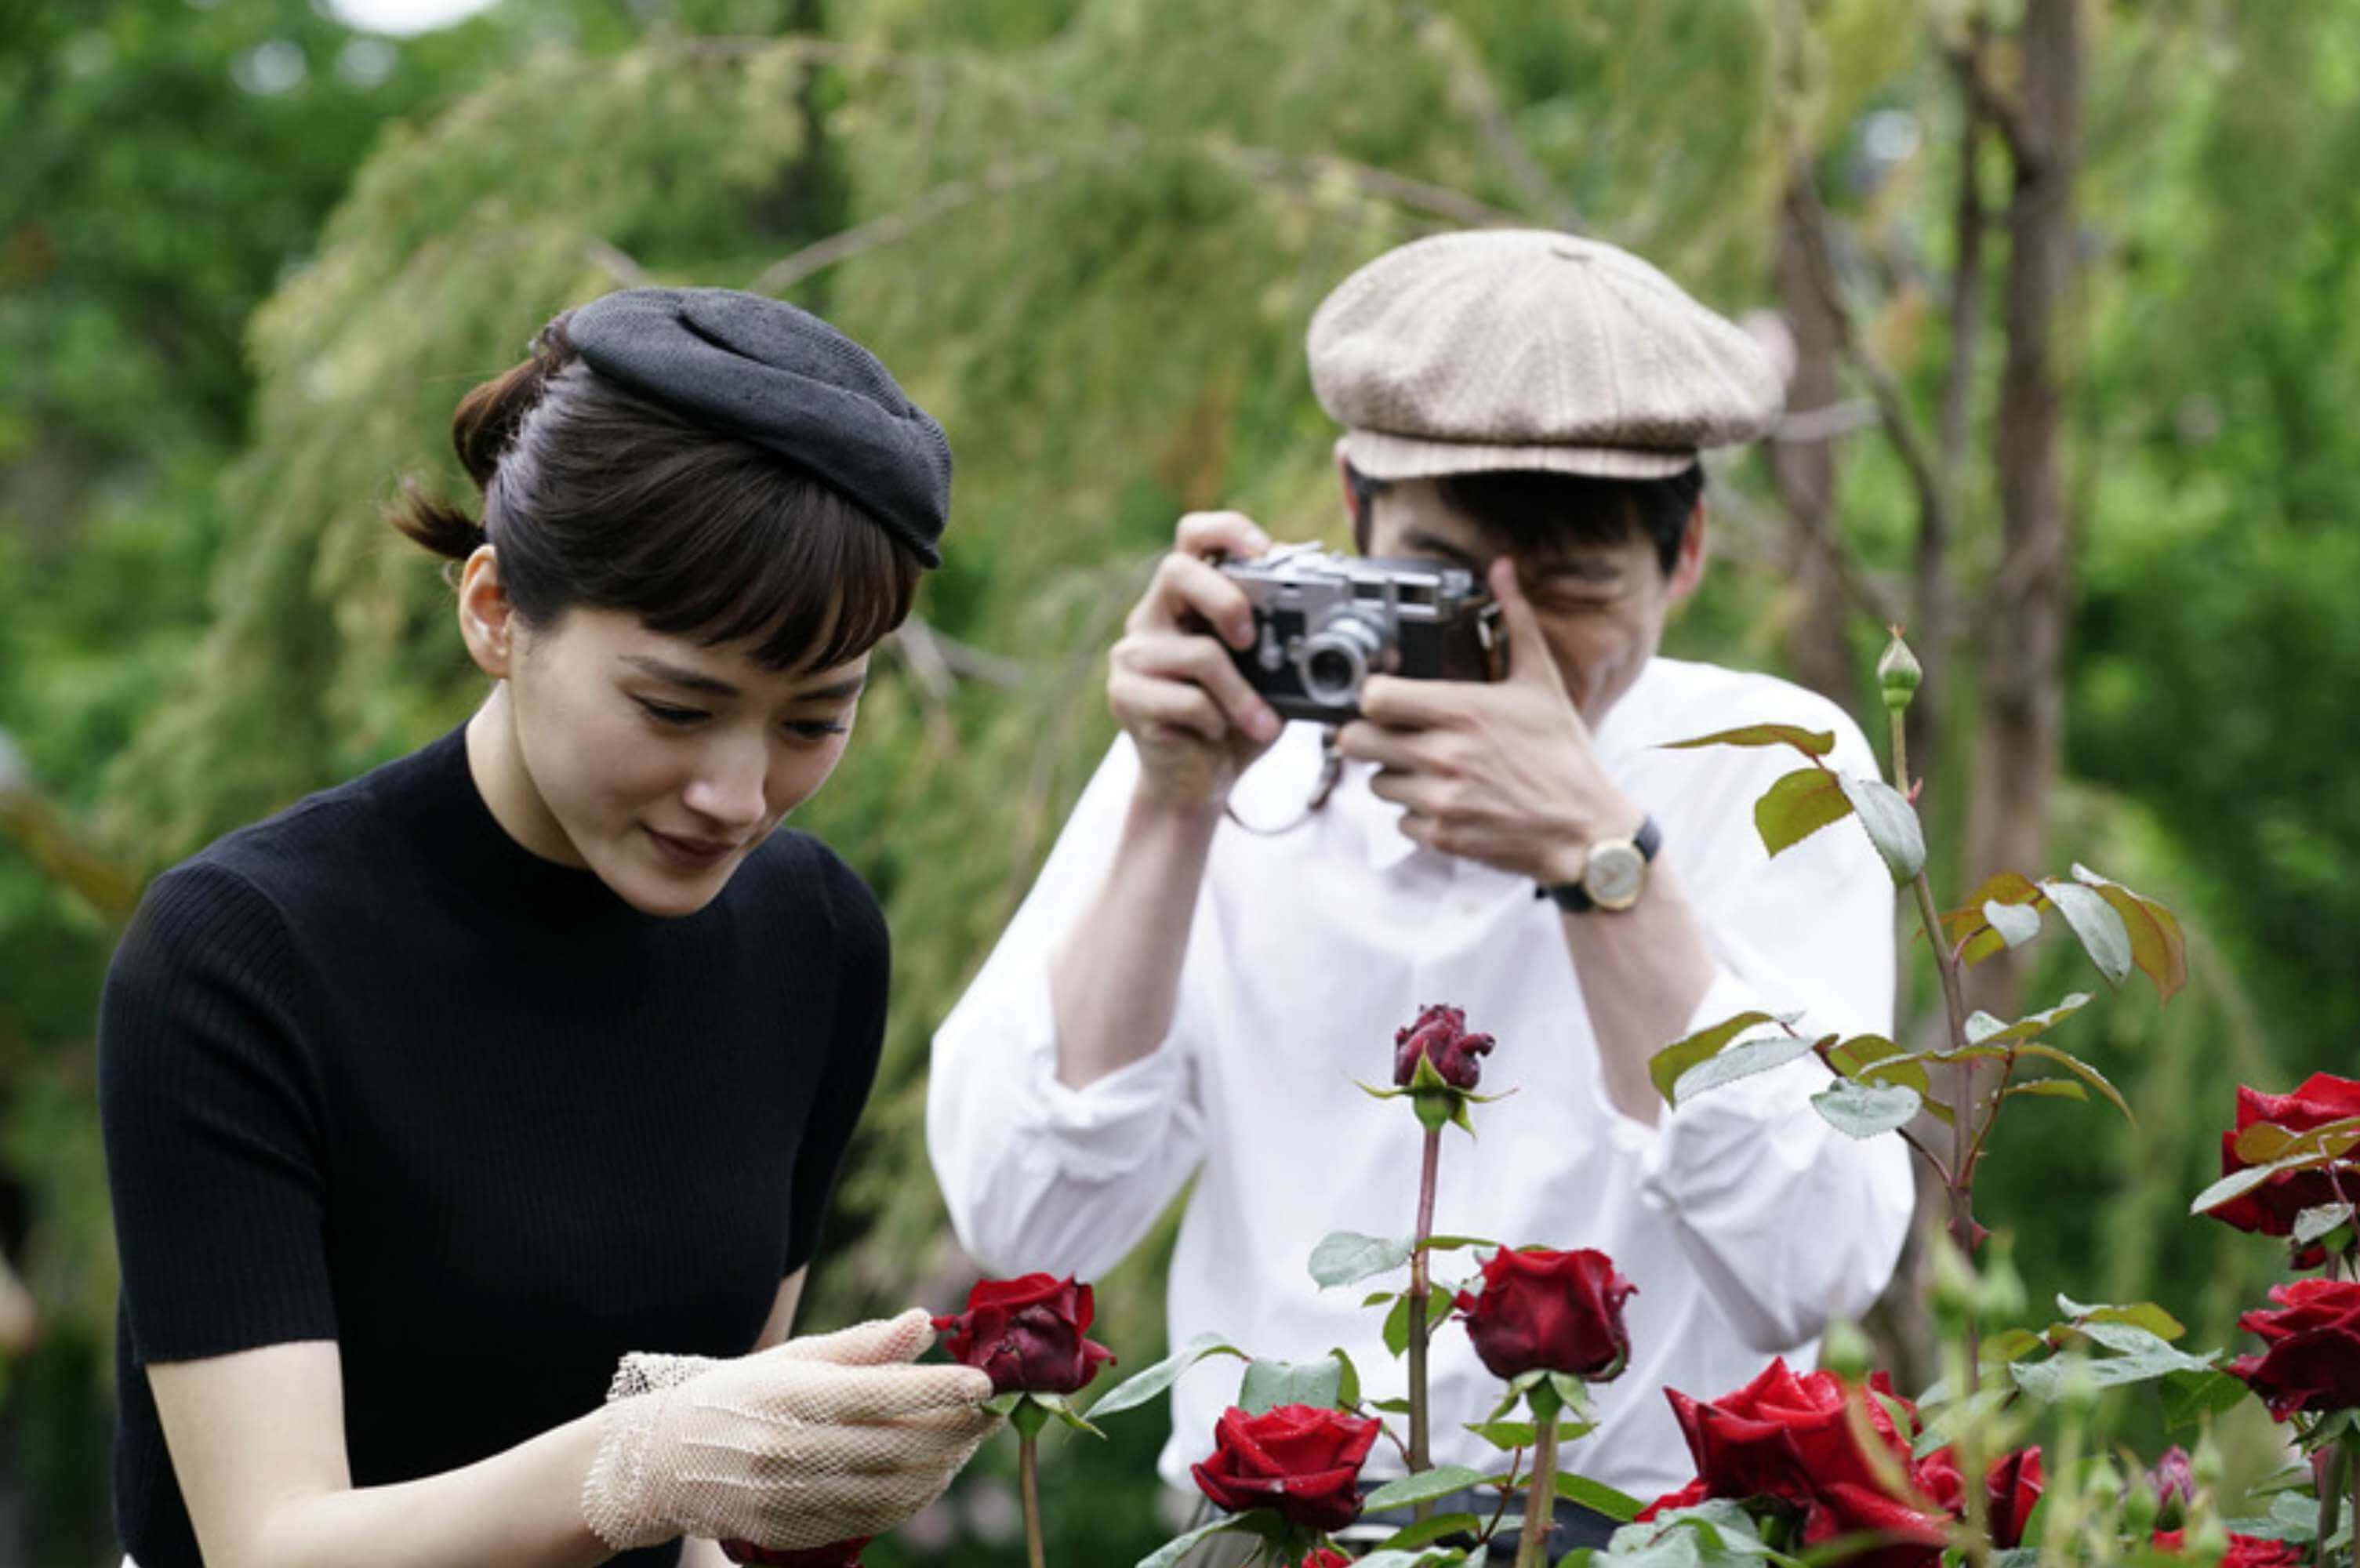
x=2069 y=289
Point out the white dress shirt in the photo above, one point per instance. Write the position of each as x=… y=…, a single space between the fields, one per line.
x=1746 y=1220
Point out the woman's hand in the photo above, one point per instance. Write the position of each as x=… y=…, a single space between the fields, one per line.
x=811 y=1441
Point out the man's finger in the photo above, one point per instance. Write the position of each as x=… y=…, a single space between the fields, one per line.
x=1198 y=661
x=1401 y=704
x=1187 y=589
x=1529 y=663
x=1227 y=533
x=1362 y=741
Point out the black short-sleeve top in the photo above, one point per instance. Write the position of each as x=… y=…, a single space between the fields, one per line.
x=372 y=1072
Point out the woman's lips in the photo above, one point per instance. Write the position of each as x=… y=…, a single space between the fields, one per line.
x=690 y=853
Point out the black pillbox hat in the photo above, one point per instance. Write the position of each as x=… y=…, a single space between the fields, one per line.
x=762 y=370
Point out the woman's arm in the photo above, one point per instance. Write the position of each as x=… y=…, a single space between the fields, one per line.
x=258 y=1441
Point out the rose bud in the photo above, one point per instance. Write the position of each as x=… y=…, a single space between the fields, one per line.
x=2011 y=1487
x=1027 y=1334
x=2312 y=1355
x=1555 y=1311
x=1440 y=1036
x=1298 y=1460
x=2174 y=1486
x=2271 y=1208
x=838 y=1555
x=1897 y=674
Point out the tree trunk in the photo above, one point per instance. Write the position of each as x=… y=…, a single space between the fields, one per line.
x=2023 y=629
x=1805 y=473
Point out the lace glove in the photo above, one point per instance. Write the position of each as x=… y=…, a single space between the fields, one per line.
x=808 y=1443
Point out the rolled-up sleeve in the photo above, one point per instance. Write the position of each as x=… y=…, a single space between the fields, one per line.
x=1809 y=932
x=1036 y=1174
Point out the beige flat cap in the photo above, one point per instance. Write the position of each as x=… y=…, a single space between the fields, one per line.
x=1524 y=348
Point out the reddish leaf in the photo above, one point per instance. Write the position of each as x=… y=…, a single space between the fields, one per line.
x=1811 y=743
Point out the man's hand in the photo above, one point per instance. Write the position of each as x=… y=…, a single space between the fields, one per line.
x=1497 y=772
x=1197 y=722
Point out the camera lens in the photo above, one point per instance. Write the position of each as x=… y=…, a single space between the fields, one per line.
x=1336 y=658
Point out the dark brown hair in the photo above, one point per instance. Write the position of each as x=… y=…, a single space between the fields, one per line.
x=599 y=498
x=1537 y=513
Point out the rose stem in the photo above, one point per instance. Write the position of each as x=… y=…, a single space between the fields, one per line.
x=1419 y=1459
x=1027 y=1468
x=1540 y=1503
x=1962 y=1175
x=2331 y=1494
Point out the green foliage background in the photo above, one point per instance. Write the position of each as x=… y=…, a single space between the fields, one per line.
x=1089 y=234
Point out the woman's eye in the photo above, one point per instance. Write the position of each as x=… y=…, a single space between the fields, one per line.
x=816 y=729
x=665 y=713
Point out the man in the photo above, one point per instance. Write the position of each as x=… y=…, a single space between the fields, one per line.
x=1180 y=996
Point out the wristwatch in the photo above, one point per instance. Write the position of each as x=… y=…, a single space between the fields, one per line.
x=1614 y=874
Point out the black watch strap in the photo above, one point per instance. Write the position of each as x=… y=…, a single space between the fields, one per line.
x=1574 y=899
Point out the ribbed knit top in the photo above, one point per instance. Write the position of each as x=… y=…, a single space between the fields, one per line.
x=372 y=1072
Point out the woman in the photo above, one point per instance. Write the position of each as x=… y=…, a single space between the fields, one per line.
x=430 y=1099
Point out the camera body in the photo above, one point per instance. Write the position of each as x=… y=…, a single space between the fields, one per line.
x=1324 y=623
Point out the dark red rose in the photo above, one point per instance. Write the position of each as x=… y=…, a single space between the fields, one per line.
x=1440 y=1036
x=2245 y=1551
x=1789 y=1437
x=1324 y=1558
x=1908 y=1537
x=841 y=1554
x=1303 y=1461
x=2312 y=1355
x=1557 y=1311
x=1027 y=1333
x=2270 y=1208
x=2173 y=1480
x=1688 y=1496
x=2011 y=1485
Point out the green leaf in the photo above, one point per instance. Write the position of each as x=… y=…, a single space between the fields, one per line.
x=1144 y=1386
x=1391 y=1407
x=1399 y=1547
x=1345 y=1256
x=1506 y=1436
x=2143 y=1358
x=1179 y=1546
x=1423 y=1487
x=2190 y=1398
x=1743 y=1059
x=1397 y=1325
x=1969 y=929
x=1270 y=1384
x=2010 y=1344
x=1984 y=1030
x=1811 y=743
x=2081 y=1069
x=2014 y=924
x=1892 y=825
x=1348 y=1385
x=1620 y=1507
x=2048 y=1089
x=2138 y=1314
x=1056 y=1405
x=1003 y=1404
x=1667 y=1065
x=2104 y=936
x=1453 y=1243
x=2156 y=945
x=1863 y=1110
x=2323 y=1221
x=1798 y=805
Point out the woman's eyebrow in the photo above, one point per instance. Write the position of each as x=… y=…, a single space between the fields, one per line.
x=842 y=691
x=680 y=675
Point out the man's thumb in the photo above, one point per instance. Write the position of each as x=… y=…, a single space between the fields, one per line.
x=1528 y=655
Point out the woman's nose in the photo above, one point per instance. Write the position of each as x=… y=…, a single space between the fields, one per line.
x=728 y=788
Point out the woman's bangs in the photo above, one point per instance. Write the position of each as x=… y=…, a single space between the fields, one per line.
x=782 y=561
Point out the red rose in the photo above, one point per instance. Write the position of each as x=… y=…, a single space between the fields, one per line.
x=1688 y=1496
x=2245 y=1551
x=2173 y=1481
x=1788 y=1437
x=1910 y=1537
x=1027 y=1334
x=2011 y=1485
x=1557 y=1311
x=2312 y=1355
x=1301 y=1461
x=2270 y=1208
x=1324 y=1558
x=1440 y=1036
x=841 y=1554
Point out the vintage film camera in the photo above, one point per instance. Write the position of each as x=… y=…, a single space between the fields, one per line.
x=1324 y=623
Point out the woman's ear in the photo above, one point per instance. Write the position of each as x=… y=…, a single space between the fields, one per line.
x=487 y=616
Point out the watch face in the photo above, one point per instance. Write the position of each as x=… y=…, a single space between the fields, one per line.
x=1615 y=874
